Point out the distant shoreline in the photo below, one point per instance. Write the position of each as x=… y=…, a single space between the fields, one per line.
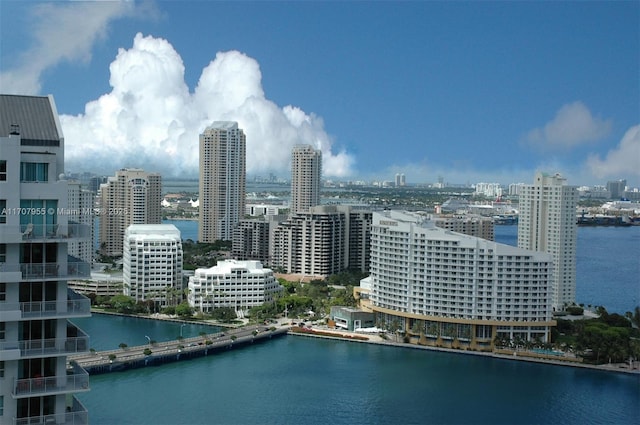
x=614 y=367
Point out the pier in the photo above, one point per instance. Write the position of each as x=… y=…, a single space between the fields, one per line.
x=154 y=354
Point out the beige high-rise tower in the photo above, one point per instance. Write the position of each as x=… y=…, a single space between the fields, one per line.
x=306 y=171
x=222 y=180
x=133 y=196
x=547 y=223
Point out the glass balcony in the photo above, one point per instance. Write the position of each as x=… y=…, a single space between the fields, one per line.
x=45 y=232
x=76 y=380
x=76 y=342
x=76 y=414
x=76 y=305
x=47 y=271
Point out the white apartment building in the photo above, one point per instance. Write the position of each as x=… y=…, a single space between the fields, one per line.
x=236 y=284
x=452 y=289
x=133 y=196
x=37 y=386
x=306 y=172
x=222 y=180
x=152 y=262
x=547 y=222
x=490 y=190
x=257 y=210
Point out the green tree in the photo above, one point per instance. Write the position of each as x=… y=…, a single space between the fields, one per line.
x=123 y=304
x=224 y=314
x=184 y=310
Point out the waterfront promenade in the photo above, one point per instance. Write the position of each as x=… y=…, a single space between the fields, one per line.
x=506 y=354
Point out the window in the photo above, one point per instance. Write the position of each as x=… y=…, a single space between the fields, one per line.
x=1 y=370
x=3 y=170
x=3 y=253
x=34 y=172
x=2 y=330
x=3 y=291
x=3 y=211
x=1 y=405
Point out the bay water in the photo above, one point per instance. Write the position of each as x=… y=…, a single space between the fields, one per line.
x=300 y=380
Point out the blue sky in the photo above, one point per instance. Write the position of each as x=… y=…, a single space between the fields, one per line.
x=466 y=91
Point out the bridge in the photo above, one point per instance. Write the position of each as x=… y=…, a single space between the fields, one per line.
x=170 y=351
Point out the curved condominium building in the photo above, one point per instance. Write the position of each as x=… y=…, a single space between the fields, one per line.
x=450 y=289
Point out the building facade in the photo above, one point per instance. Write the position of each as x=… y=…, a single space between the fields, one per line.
x=468 y=224
x=81 y=210
x=322 y=241
x=547 y=223
x=133 y=196
x=222 y=180
x=36 y=334
x=152 y=263
x=306 y=172
x=251 y=240
x=239 y=285
x=454 y=290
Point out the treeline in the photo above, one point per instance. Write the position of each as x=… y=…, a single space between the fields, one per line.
x=609 y=338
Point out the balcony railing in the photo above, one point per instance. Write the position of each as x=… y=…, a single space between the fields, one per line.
x=41 y=232
x=55 y=346
x=79 y=306
x=76 y=380
x=43 y=271
x=76 y=305
x=76 y=414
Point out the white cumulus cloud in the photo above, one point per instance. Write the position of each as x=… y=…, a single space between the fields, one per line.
x=624 y=160
x=151 y=120
x=573 y=125
x=61 y=32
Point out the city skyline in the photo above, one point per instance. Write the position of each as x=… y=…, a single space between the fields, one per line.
x=467 y=92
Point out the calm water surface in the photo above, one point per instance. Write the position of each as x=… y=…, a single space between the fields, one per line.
x=297 y=380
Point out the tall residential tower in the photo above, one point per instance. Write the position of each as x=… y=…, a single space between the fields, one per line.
x=133 y=196
x=37 y=386
x=222 y=180
x=547 y=223
x=306 y=170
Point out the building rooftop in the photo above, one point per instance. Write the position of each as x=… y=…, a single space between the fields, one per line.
x=33 y=117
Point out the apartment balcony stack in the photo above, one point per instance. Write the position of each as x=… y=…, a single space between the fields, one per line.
x=36 y=335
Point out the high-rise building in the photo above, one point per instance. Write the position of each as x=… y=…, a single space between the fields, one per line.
x=222 y=180
x=81 y=210
x=616 y=189
x=133 y=196
x=152 y=262
x=36 y=335
x=306 y=171
x=453 y=290
x=401 y=180
x=547 y=222
x=325 y=240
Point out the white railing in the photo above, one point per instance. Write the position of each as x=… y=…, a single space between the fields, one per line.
x=76 y=381
x=76 y=414
x=40 y=271
x=39 y=232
